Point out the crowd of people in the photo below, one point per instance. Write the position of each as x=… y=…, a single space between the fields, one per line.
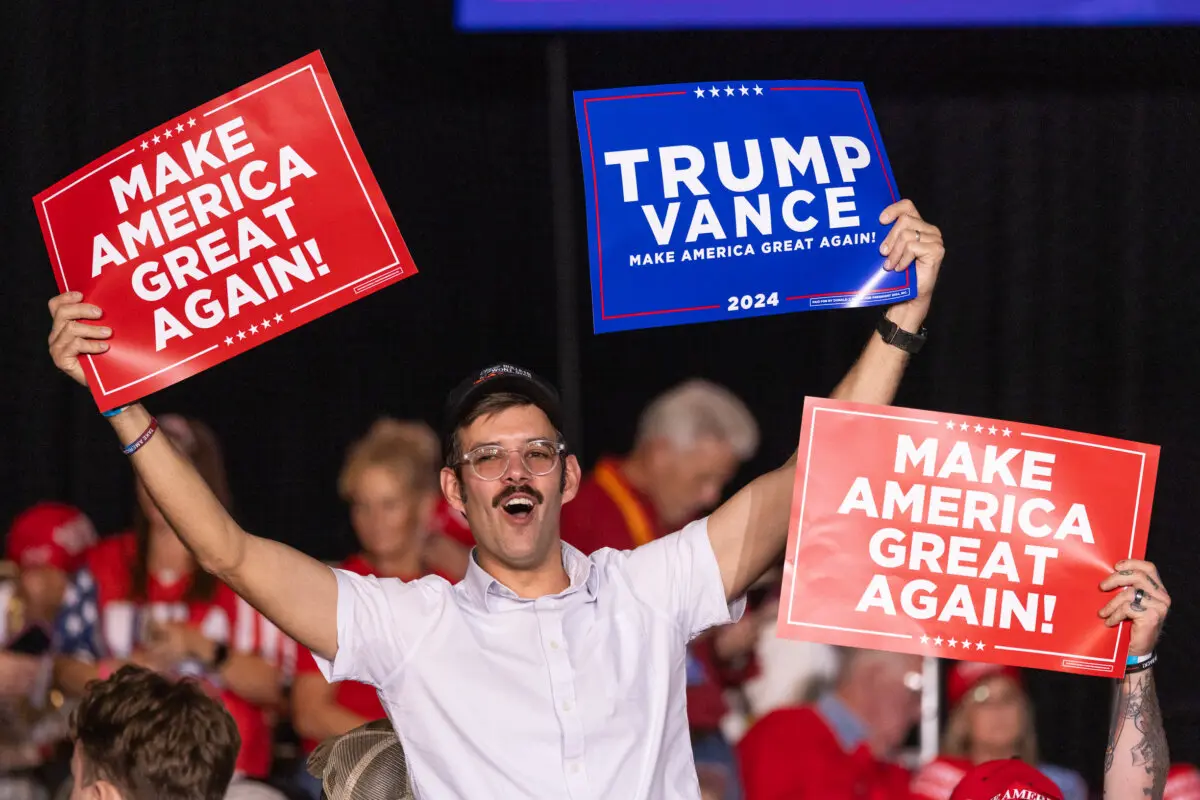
x=487 y=647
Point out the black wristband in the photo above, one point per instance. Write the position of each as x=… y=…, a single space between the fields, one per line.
x=896 y=336
x=220 y=655
x=1142 y=666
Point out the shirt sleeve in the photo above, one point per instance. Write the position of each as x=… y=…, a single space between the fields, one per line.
x=75 y=632
x=380 y=622
x=678 y=574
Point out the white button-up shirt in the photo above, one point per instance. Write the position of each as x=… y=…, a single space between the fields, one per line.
x=578 y=695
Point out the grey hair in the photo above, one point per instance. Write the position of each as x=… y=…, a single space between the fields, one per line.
x=697 y=409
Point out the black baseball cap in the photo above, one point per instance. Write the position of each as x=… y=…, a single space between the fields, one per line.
x=492 y=380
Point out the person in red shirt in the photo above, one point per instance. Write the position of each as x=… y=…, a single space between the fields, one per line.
x=991 y=717
x=46 y=543
x=841 y=745
x=140 y=599
x=390 y=480
x=690 y=442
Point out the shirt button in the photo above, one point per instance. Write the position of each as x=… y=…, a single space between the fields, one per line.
x=567 y=706
x=553 y=644
x=575 y=768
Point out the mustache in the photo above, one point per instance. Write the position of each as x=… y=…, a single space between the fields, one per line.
x=513 y=489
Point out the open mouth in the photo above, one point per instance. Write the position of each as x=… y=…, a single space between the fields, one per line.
x=518 y=507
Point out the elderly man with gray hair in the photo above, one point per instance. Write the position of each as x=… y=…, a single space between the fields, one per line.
x=690 y=442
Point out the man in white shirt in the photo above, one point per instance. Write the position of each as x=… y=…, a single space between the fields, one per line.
x=544 y=673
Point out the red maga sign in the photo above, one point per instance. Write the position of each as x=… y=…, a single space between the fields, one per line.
x=961 y=537
x=218 y=230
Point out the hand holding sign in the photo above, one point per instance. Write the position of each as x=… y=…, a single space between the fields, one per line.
x=71 y=337
x=912 y=239
x=1142 y=598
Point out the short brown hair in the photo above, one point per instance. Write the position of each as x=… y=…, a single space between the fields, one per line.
x=155 y=739
x=409 y=450
x=487 y=406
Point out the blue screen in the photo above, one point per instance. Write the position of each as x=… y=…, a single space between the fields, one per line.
x=617 y=14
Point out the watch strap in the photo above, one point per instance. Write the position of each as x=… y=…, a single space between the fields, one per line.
x=893 y=334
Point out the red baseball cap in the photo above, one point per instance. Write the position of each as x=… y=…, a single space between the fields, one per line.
x=1183 y=783
x=966 y=675
x=1006 y=779
x=49 y=535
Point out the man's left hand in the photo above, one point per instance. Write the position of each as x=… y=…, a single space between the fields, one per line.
x=1142 y=599
x=912 y=239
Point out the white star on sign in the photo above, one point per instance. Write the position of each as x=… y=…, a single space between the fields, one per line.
x=950 y=425
x=714 y=91
x=167 y=133
x=1007 y=432
x=979 y=645
x=953 y=642
x=992 y=430
x=145 y=145
x=924 y=639
x=254 y=329
x=278 y=318
x=228 y=341
x=699 y=93
x=192 y=122
x=266 y=323
x=179 y=128
x=241 y=334
x=979 y=429
x=937 y=642
x=966 y=644
x=155 y=139
x=757 y=89
x=729 y=91
x=962 y=427
x=743 y=90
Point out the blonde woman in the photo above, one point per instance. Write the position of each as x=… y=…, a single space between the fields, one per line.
x=991 y=718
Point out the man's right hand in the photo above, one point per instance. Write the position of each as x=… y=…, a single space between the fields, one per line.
x=71 y=336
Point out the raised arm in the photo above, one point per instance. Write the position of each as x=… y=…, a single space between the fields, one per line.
x=297 y=593
x=749 y=531
x=1137 y=759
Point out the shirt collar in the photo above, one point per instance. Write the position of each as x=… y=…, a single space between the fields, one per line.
x=490 y=594
x=846 y=726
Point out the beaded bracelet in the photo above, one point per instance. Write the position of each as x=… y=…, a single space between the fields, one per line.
x=137 y=443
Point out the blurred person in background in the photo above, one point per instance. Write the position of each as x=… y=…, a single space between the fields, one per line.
x=842 y=745
x=390 y=480
x=141 y=736
x=45 y=544
x=990 y=717
x=690 y=442
x=140 y=598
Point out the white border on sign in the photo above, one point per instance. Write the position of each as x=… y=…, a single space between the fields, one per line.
x=395 y=259
x=804 y=494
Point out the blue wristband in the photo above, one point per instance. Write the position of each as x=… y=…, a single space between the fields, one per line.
x=1132 y=660
x=112 y=412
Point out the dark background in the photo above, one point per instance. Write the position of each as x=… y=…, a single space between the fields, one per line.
x=1059 y=164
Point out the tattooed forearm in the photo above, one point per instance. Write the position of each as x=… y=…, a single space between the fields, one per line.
x=1137 y=734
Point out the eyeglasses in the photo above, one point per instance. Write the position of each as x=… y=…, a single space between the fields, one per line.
x=490 y=462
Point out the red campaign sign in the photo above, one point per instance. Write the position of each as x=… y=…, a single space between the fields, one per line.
x=220 y=230
x=962 y=537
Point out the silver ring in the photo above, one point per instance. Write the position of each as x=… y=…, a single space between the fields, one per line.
x=918 y=233
x=1138 y=596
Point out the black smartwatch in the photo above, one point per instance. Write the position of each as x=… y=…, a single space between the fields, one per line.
x=896 y=336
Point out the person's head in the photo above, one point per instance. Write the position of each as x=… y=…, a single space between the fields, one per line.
x=507 y=465
x=1006 y=778
x=884 y=691
x=690 y=441
x=199 y=444
x=389 y=479
x=990 y=714
x=47 y=542
x=140 y=736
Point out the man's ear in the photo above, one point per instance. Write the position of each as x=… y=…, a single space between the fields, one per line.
x=573 y=477
x=452 y=490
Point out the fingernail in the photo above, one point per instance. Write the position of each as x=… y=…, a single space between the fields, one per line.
x=106 y=331
x=883 y=217
x=883 y=248
x=104 y=345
